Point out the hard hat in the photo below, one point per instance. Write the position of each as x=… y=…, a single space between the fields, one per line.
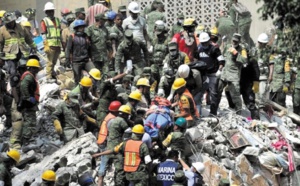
x=49 y=6
x=9 y=17
x=70 y=17
x=190 y=22
x=138 y=129
x=26 y=23
x=125 y=109
x=134 y=7
x=79 y=23
x=49 y=175
x=214 y=31
x=199 y=166
x=263 y=38
x=181 y=122
x=183 y=71
x=200 y=28
x=114 y=106
x=178 y=83
x=111 y=15
x=86 y=82
x=2 y=12
x=143 y=82
x=95 y=73
x=136 y=95
x=14 y=154
x=33 y=63
x=204 y=37
x=65 y=11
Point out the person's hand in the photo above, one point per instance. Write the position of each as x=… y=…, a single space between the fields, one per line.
x=95 y=155
x=285 y=88
x=58 y=127
x=255 y=87
x=179 y=155
x=218 y=74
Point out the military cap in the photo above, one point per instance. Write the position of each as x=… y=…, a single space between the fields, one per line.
x=236 y=37
x=122 y=8
x=128 y=77
x=173 y=46
x=179 y=176
x=154 y=70
x=101 y=16
x=80 y=10
x=128 y=34
x=180 y=16
x=73 y=97
x=147 y=71
x=159 y=29
x=123 y=97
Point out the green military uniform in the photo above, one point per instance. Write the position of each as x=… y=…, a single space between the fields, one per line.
x=141 y=175
x=27 y=89
x=165 y=84
x=132 y=52
x=70 y=119
x=120 y=88
x=225 y=27
x=108 y=26
x=117 y=34
x=5 y=174
x=177 y=27
x=232 y=72
x=149 y=8
x=179 y=178
x=296 y=93
x=176 y=141
x=174 y=62
x=151 y=19
x=100 y=45
x=116 y=130
x=133 y=115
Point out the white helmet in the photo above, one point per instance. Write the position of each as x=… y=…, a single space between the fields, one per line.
x=134 y=7
x=199 y=166
x=263 y=38
x=183 y=71
x=159 y=23
x=49 y=6
x=204 y=37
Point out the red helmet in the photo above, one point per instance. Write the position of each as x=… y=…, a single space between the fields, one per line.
x=65 y=11
x=114 y=106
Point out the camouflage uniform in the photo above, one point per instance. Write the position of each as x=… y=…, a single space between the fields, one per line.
x=100 y=46
x=177 y=27
x=296 y=93
x=281 y=78
x=151 y=19
x=5 y=174
x=117 y=34
x=116 y=130
x=225 y=27
x=150 y=8
x=176 y=141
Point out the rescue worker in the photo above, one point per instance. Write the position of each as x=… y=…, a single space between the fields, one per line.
x=67 y=118
x=66 y=32
x=133 y=99
x=110 y=19
x=136 y=157
x=51 y=33
x=78 y=51
x=64 y=13
x=166 y=81
x=235 y=56
x=13 y=40
x=166 y=170
x=79 y=15
x=123 y=11
x=95 y=75
x=102 y=138
x=225 y=27
x=281 y=78
x=11 y=159
x=193 y=173
x=266 y=67
x=116 y=129
x=211 y=55
x=130 y=49
x=153 y=17
x=177 y=27
x=185 y=103
x=179 y=178
x=49 y=178
x=29 y=99
x=116 y=34
x=176 y=140
x=198 y=31
x=125 y=87
x=214 y=36
x=100 y=43
x=150 y=8
x=186 y=39
x=143 y=86
x=147 y=73
x=2 y=12
x=27 y=26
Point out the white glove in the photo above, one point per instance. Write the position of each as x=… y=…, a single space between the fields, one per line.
x=179 y=155
x=150 y=49
x=128 y=70
x=161 y=92
x=156 y=161
x=170 y=97
x=169 y=149
x=156 y=147
x=1 y=183
x=218 y=74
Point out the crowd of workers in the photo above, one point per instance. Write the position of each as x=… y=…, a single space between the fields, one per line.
x=137 y=67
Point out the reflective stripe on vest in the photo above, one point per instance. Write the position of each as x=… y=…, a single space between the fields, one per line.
x=187 y=94
x=53 y=33
x=37 y=89
x=13 y=42
x=132 y=158
x=103 y=132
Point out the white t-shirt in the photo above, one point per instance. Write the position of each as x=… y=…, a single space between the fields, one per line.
x=137 y=26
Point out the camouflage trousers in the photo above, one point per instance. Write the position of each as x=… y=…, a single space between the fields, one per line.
x=102 y=110
x=17 y=123
x=296 y=101
x=138 y=68
x=119 y=171
x=234 y=90
x=52 y=57
x=263 y=93
x=29 y=123
x=139 y=177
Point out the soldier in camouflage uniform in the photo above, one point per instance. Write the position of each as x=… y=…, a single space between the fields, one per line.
x=80 y=15
x=125 y=87
x=225 y=26
x=281 y=79
x=100 y=43
x=130 y=49
x=296 y=88
x=175 y=58
x=116 y=34
x=150 y=8
x=235 y=57
x=110 y=19
x=68 y=119
x=177 y=27
x=152 y=18
x=166 y=81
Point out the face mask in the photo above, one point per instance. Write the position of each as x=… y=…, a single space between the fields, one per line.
x=180 y=21
x=134 y=21
x=173 y=54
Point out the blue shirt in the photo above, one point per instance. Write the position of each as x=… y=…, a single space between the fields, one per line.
x=193 y=178
x=166 y=172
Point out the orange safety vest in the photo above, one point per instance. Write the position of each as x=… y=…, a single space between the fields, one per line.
x=37 y=89
x=132 y=158
x=103 y=132
x=194 y=111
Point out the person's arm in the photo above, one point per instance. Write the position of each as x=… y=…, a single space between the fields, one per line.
x=145 y=51
x=28 y=39
x=118 y=58
x=25 y=87
x=271 y=70
x=184 y=165
x=115 y=150
x=68 y=51
x=107 y=152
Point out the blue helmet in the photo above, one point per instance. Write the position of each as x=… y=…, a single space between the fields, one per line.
x=111 y=15
x=78 y=23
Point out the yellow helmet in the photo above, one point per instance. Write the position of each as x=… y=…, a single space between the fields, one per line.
x=189 y=22
x=143 y=82
x=136 y=95
x=214 y=31
x=125 y=109
x=200 y=28
x=86 y=82
x=138 y=129
x=178 y=83
x=49 y=175
x=26 y=23
x=14 y=154
x=2 y=12
x=33 y=63
x=95 y=73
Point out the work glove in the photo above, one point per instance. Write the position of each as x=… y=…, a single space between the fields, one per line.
x=150 y=50
x=128 y=70
x=255 y=87
x=46 y=46
x=292 y=87
x=285 y=88
x=218 y=74
x=179 y=155
x=32 y=100
x=161 y=92
x=232 y=51
x=170 y=97
x=57 y=126
x=91 y=120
